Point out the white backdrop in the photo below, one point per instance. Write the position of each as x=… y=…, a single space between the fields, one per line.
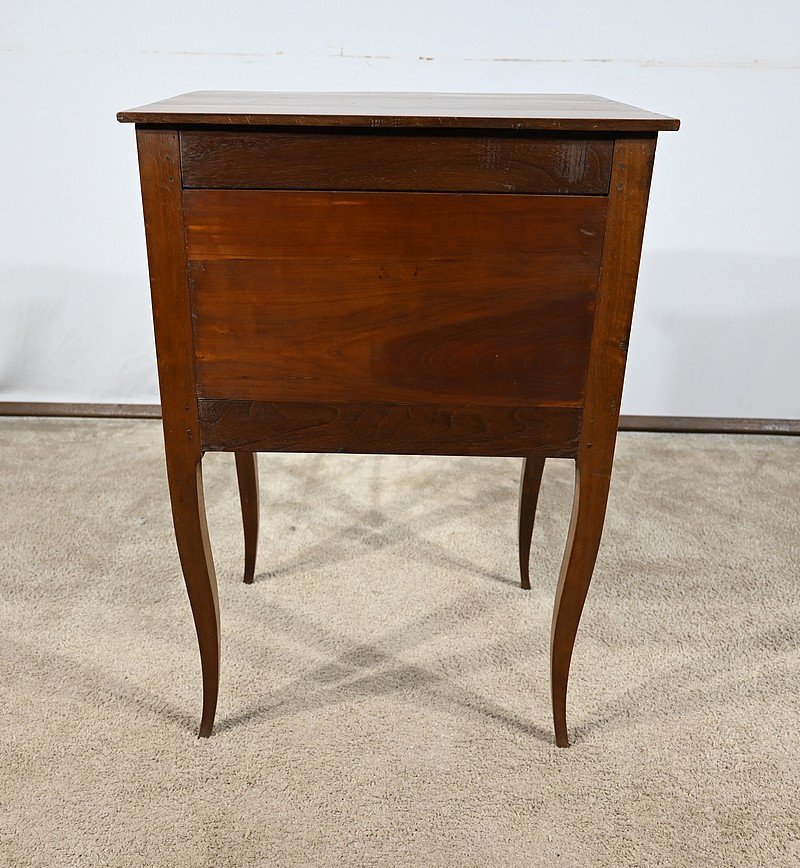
x=718 y=313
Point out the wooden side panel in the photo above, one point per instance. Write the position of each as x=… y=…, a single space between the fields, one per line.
x=159 y=168
x=393 y=297
x=382 y=428
x=355 y=160
x=622 y=249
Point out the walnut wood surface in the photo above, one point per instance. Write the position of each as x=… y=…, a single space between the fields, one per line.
x=159 y=164
x=529 y=484
x=442 y=110
x=393 y=297
x=247 y=476
x=263 y=224
x=395 y=160
x=459 y=332
x=630 y=185
x=490 y=322
x=401 y=429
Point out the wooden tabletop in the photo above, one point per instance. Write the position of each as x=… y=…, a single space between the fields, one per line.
x=543 y=111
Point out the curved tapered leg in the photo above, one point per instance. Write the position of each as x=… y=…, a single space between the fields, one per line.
x=191 y=532
x=247 y=474
x=592 y=478
x=529 y=483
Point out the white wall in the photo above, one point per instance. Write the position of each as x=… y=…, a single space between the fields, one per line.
x=718 y=315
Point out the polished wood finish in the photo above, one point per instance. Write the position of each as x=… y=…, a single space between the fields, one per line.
x=247 y=476
x=509 y=111
x=451 y=300
x=529 y=484
x=159 y=167
x=378 y=428
x=328 y=297
x=398 y=160
x=375 y=226
x=630 y=186
x=592 y=478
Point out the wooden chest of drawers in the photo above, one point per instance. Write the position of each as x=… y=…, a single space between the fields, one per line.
x=393 y=273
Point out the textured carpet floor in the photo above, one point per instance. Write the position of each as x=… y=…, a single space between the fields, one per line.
x=385 y=684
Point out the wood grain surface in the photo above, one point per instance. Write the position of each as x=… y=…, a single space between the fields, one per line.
x=383 y=428
x=630 y=187
x=395 y=160
x=541 y=111
x=365 y=285
x=159 y=166
x=393 y=297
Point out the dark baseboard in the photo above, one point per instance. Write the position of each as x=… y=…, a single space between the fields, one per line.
x=668 y=424
x=708 y=425
x=97 y=411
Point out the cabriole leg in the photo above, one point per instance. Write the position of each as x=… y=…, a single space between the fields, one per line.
x=530 y=481
x=247 y=474
x=592 y=478
x=191 y=532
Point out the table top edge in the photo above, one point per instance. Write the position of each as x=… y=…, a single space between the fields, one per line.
x=567 y=112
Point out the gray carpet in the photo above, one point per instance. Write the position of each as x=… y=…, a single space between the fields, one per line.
x=385 y=682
